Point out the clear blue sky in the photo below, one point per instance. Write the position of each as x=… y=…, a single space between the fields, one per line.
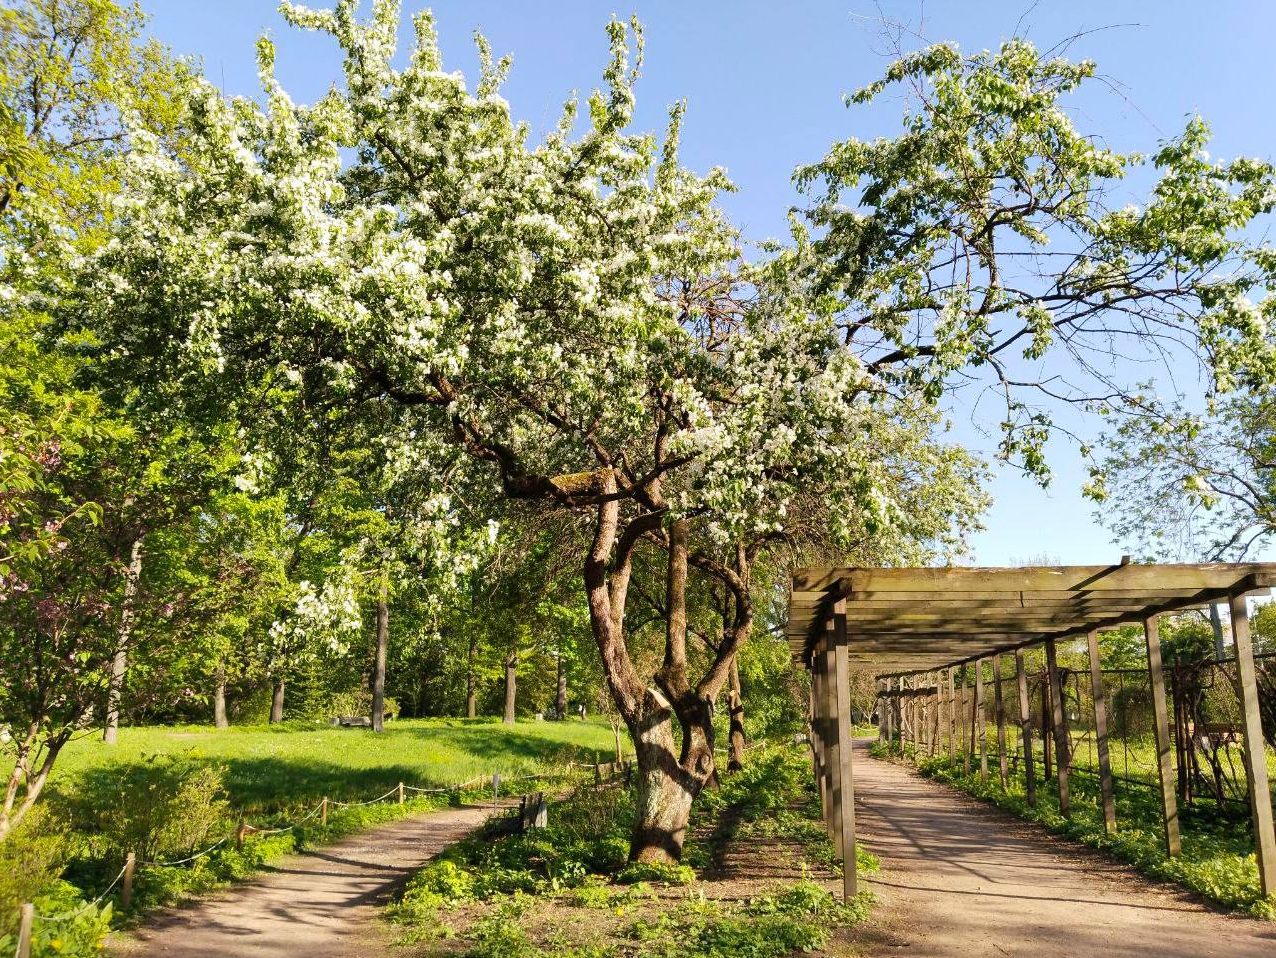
x=763 y=81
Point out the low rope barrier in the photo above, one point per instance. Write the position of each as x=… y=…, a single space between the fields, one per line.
x=125 y=874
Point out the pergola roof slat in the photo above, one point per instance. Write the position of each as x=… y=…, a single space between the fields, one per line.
x=913 y=619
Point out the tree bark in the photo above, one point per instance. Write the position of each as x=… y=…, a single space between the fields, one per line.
x=511 y=687
x=219 y=698
x=560 y=699
x=277 y=701
x=119 y=665
x=378 y=667
x=471 y=689
x=735 y=735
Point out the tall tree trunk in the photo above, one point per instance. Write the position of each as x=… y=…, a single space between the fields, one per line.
x=560 y=699
x=119 y=665
x=378 y=668
x=471 y=687
x=277 y=701
x=219 y=698
x=735 y=735
x=511 y=686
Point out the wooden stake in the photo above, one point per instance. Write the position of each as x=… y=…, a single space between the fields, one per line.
x=126 y=889
x=1260 y=799
x=323 y=813
x=1164 y=743
x=846 y=783
x=26 y=918
x=1061 y=757
x=1025 y=730
x=240 y=832
x=1106 y=790
x=400 y=793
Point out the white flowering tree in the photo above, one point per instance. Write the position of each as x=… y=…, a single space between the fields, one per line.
x=573 y=315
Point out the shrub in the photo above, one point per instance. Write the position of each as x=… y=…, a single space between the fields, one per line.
x=164 y=806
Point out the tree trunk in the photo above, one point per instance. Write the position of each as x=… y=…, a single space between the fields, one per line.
x=511 y=687
x=378 y=668
x=219 y=698
x=471 y=690
x=119 y=665
x=667 y=783
x=735 y=736
x=277 y=701
x=560 y=699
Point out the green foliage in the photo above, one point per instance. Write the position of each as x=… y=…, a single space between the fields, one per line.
x=166 y=806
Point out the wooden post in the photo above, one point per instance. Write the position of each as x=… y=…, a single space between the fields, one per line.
x=846 y=781
x=1047 y=732
x=935 y=703
x=26 y=918
x=1025 y=730
x=953 y=710
x=323 y=811
x=1260 y=799
x=967 y=722
x=833 y=736
x=126 y=888
x=240 y=832
x=1164 y=743
x=999 y=714
x=1106 y=790
x=1061 y=756
x=400 y=793
x=981 y=726
x=817 y=730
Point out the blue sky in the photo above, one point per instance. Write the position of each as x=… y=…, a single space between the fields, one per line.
x=763 y=83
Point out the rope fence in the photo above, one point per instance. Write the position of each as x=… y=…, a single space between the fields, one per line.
x=124 y=879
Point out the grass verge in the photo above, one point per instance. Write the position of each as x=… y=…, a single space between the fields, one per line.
x=567 y=891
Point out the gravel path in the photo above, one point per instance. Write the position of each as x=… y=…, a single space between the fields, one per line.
x=961 y=878
x=321 y=903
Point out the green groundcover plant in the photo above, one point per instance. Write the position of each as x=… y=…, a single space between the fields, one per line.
x=490 y=890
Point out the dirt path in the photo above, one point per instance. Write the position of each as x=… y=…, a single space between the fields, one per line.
x=321 y=903
x=961 y=878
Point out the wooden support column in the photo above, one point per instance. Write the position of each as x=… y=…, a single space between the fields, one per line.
x=981 y=721
x=881 y=710
x=833 y=735
x=846 y=782
x=1061 y=756
x=935 y=708
x=1025 y=730
x=816 y=736
x=1260 y=797
x=967 y=722
x=1106 y=791
x=953 y=710
x=999 y=715
x=1164 y=742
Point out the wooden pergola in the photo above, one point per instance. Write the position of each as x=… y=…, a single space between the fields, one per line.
x=913 y=628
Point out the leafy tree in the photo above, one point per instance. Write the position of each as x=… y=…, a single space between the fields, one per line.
x=573 y=320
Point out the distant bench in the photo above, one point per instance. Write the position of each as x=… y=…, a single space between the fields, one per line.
x=351 y=721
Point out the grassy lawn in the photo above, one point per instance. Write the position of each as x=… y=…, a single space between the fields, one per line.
x=271 y=769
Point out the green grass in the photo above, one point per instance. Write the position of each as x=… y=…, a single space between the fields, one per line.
x=274 y=769
x=272 y=776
